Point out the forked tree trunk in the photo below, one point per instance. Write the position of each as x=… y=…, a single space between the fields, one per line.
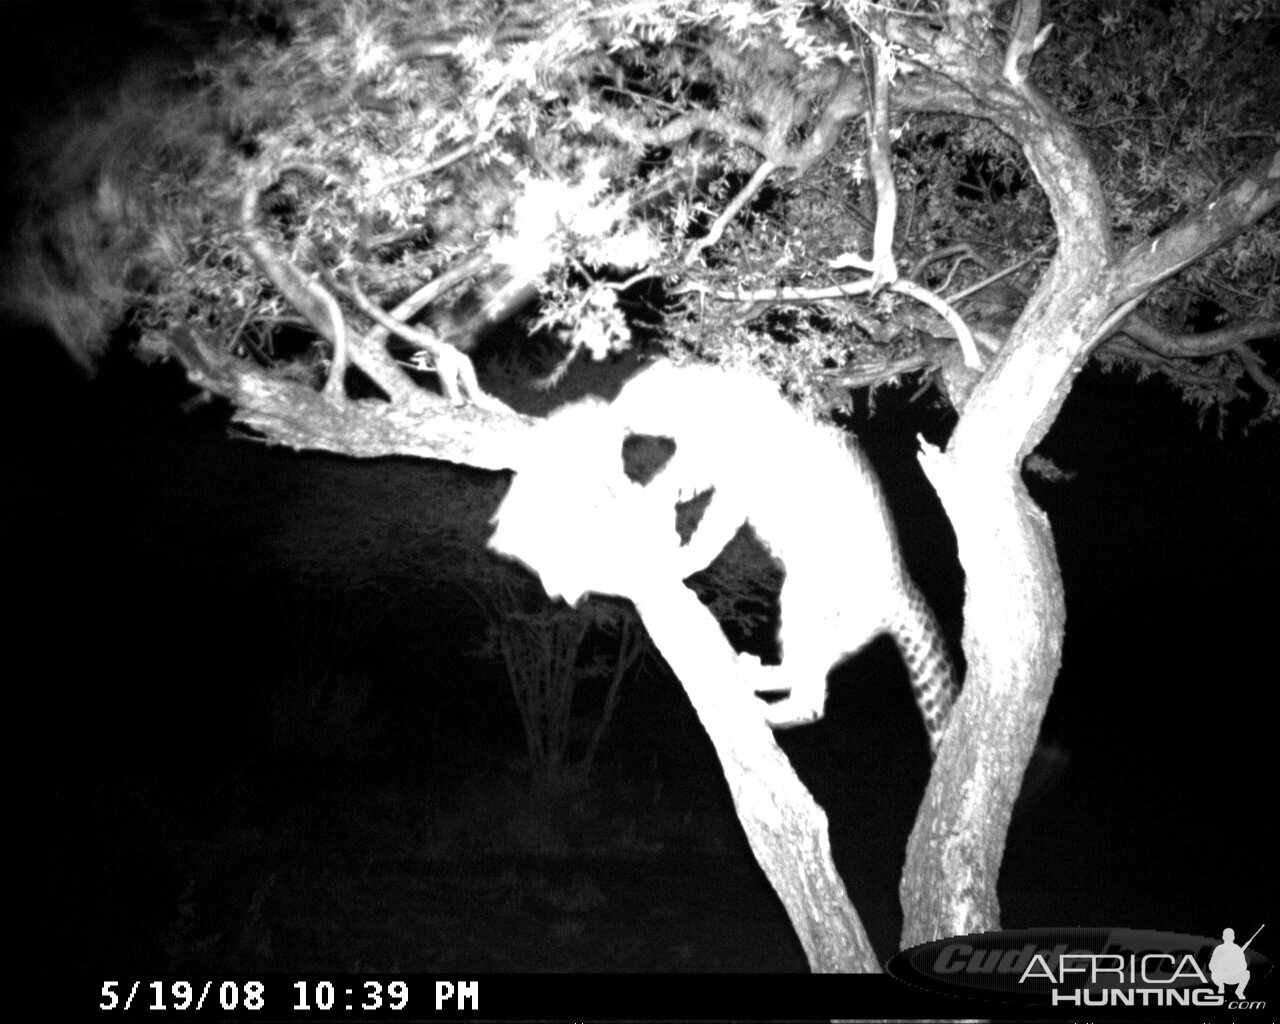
x=1015 y=612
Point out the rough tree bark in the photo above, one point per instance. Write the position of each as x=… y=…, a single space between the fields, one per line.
x=1014 y=609
x=785 y=827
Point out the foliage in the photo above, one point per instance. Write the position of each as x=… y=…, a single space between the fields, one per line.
x=1167 y=134
x=593 y=153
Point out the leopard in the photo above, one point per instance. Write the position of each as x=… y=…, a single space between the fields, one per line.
x=810 y=495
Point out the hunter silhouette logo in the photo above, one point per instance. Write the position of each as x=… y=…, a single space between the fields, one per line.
x=1228 y=966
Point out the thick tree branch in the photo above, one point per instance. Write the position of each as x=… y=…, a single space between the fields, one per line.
x=295 y=415
x=316 y=304
x=320 y=309
x=1250 y=198
x=781 y=294
x=879 y=372
x=453 y=368
x=944 y=309
x=308 y=297
x=1014 y=608
x=682 y=128
x=1195 y=346
x=1025 y=38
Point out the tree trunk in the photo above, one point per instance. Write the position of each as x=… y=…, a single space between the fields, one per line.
x=786 y=828
x=1014 y=620
x=1015 y=613
x=1014 y=609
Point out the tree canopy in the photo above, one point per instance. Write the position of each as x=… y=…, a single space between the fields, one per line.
x=689 y=174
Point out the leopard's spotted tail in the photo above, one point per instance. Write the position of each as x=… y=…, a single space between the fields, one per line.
x=933 y=681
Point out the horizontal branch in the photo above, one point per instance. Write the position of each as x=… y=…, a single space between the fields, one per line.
x=293 y=414
x=1186 y=374
x=880 y=372
x=846 y=100
x=1194 y=346
x=781 y=293
x=682 y=128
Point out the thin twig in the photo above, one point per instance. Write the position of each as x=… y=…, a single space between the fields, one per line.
x=753 y=186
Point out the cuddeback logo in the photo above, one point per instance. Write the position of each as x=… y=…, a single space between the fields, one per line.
x=1089 y=967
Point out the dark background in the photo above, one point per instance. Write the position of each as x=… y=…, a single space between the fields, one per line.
x=151 y=629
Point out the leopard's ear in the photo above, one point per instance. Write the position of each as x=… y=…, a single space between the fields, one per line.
x=650 y=398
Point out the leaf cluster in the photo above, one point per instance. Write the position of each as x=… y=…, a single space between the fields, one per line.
x=592 y=154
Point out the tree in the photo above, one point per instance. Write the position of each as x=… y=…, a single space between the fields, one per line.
x=330 y=214
x=547 y=652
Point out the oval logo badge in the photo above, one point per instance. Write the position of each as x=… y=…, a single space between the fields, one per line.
x=1079 y=967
